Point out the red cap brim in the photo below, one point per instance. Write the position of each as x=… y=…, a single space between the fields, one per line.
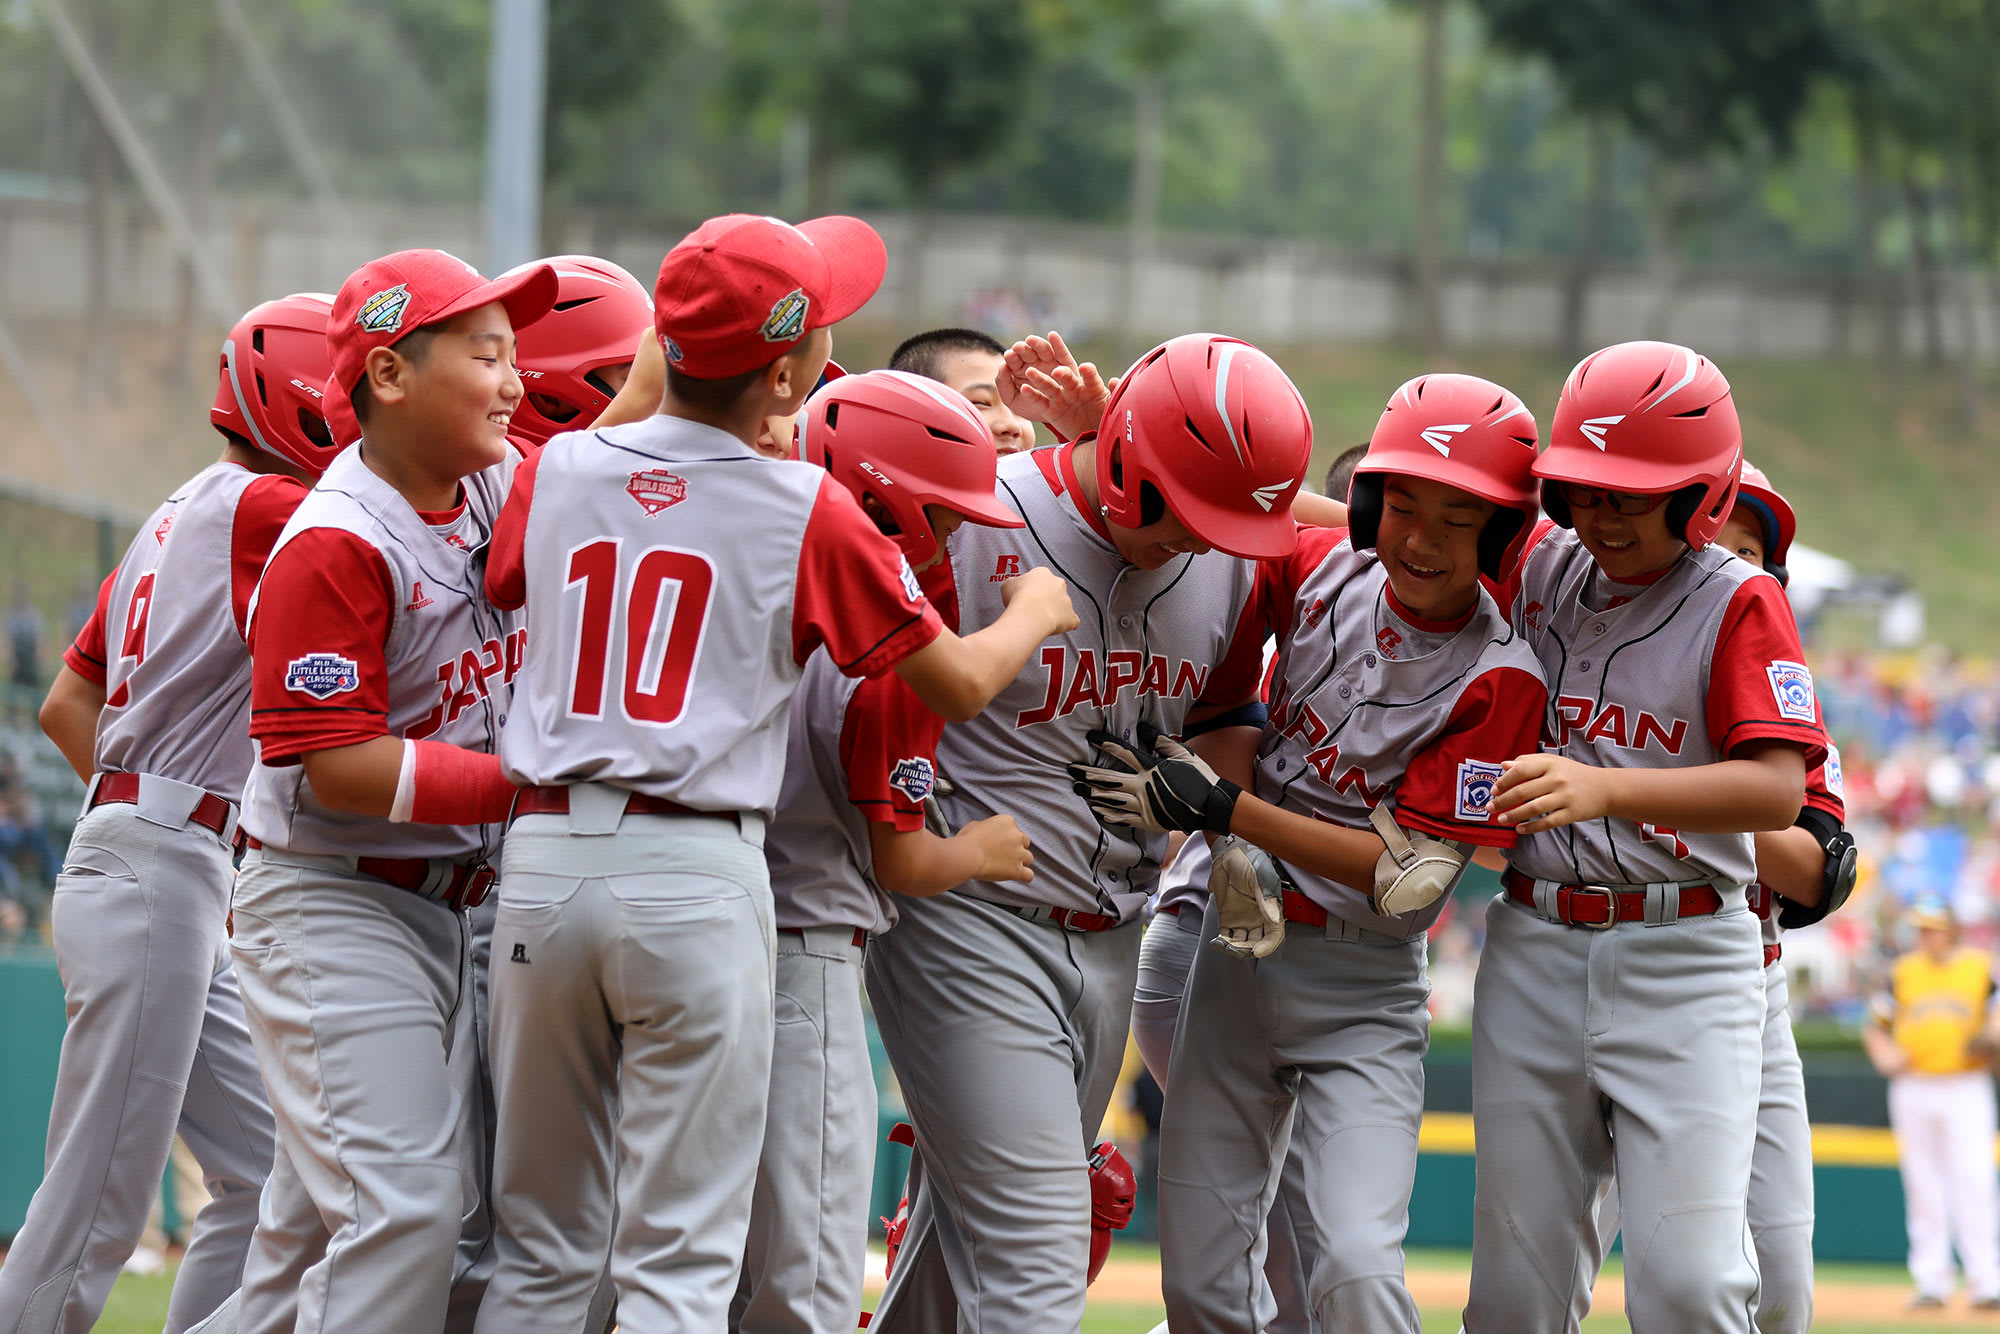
x=528 y=294
x=856 y=260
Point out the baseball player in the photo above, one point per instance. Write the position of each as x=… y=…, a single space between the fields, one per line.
x=1932 y=1034
x=574 y=360
x=1400 y=688
x=380 y=678
x=970 y=362
x=158 y=728
x=1619 y=1005
x=1004 y=1007
x=849 y=837
x=675 y=586
x=1803 y=873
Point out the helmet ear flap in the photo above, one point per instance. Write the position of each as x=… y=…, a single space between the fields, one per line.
x=1682 y=508
x=1494 y=539
x=1555 y=506
x=1364 y=509
x=1778 y=572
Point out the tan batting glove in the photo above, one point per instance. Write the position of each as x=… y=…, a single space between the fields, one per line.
x=1249 y=900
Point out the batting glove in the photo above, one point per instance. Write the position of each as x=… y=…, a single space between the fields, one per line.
x=1249 y=900
x=1160 y=786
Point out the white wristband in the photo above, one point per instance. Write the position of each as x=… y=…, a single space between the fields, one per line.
x=406 y=785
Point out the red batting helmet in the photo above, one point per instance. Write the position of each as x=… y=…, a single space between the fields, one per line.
x=1113 y=1192
x=1775 y=515
x=908 y=442
x=599 y=313
x=271 y=385
x=1465 y=432
x=1647 y=418
x=1215 y=427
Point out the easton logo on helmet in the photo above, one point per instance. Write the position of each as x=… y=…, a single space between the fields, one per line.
x=787 y=321
x=1593 y=428
x=656 y=489
x=322 y=675
x=383 y=312
x=914 y=778
x=1439 y=437
x=1267 y=496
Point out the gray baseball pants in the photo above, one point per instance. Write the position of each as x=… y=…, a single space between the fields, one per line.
x=1322 y=1043
x=1640 y=1044
x=1781 y=1183
x=156 y=1041
x=632 y=1004
x=1007 y=1035
x=1166 y=957
x=358 y=996
x=808 y=1246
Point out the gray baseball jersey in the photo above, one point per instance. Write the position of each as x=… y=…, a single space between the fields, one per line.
x=156 y=1040
x=326 y=676
x=667 y=646
x=1371 y=703
x=1151 y=644
x=1675 y=673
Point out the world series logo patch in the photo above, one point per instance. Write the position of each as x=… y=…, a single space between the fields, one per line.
x=383 y=312
x=322 y=675
x=914 y=778
x=787 y=320
x=1476 y=779
x=1792 y=687
x=656 y=489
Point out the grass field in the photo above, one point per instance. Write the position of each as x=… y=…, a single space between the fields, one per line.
x=138 y=1304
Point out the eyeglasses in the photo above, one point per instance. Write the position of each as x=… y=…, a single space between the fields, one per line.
x=1621 y=502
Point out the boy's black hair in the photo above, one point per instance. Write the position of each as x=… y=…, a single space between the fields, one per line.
x=923 y=354
x=711 y=395
x=1340 y=472
x=414 y=346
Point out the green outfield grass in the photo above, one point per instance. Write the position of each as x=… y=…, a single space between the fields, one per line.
x=139 y=1304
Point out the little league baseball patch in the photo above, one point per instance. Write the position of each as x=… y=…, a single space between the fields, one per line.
x=322 y=675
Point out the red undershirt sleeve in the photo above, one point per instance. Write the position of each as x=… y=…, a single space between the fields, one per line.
x=506 y=554
x=87 y=657
x=262 y=511
x=856 y=595
x=888 y=749
x=1759 y=688
x=1447 y=790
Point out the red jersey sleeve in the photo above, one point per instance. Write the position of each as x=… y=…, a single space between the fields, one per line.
x=1279 y=577
x=506 y=553
x=88 y=655
x=1506 y=590
x=318 y=678
x=262 y=511
x=888 y=749
x=1759 y=688
x=1448 y=789
x=856 y=594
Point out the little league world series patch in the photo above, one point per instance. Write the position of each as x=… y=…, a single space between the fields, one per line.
x=1792 y=687
x=656 y=490
x=1476 y=780
x=383 y=312
x=322 y=675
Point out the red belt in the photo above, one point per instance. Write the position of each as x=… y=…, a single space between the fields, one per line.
x=1300 y=909
x=467 y=887
x=1760 y=900
x=1072 y=919
x=860 y=936
x=555 y=801
x=1772 y=953
x=1601 y=905
x=211 y=812
x=1168 y=909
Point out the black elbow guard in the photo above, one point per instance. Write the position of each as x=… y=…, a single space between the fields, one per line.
x=1838 y=872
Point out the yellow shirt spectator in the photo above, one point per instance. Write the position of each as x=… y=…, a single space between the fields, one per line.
x=1934 y=1009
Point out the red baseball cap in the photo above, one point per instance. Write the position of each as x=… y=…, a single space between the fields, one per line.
x=398 y=294
x=742 y=290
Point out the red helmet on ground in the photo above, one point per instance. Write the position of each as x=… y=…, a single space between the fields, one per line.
x=1114 y=1191
x=908 y=442
x=1219 y=432
x=1465 y=432
x=599 y=313
x=271 y=384
x=1647 y=418
x=1774 y=513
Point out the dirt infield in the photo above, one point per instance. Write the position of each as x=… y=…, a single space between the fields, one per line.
x=1137 y=1282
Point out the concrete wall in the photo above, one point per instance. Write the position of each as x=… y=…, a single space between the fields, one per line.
x=1013 y=274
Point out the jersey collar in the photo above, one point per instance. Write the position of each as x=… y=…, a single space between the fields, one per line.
x=1416 y=622
x=1058 y=465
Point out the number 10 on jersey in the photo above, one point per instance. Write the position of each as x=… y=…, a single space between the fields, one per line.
x=650 y=616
